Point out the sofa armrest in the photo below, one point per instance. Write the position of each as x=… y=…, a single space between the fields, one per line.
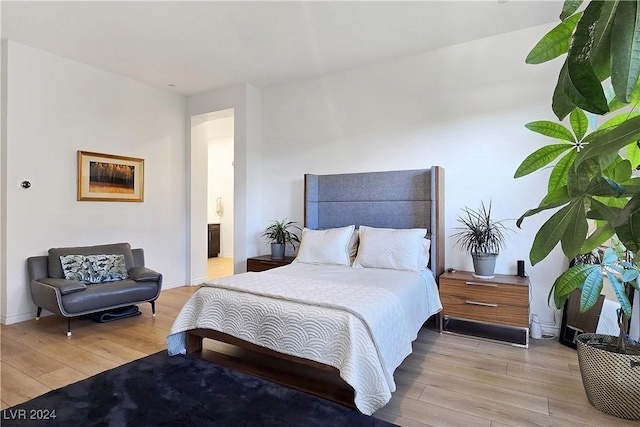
x=65 y=286
x=143 y=274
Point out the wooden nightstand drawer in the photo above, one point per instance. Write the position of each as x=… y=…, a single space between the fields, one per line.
x=473 y=309
x=486 y=291
x=264 y=262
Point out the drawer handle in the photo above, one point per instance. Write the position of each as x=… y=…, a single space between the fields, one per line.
x=491 y=285
x=484 y=304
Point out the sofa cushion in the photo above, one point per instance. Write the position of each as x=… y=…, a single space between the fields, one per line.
x=104 y=295
x=55 y=266
x=77 y=267
x=107 y=268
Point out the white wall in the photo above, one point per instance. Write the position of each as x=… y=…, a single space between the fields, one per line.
x=57 y=107
x=463 y=108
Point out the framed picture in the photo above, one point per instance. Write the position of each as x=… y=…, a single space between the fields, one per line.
x=106 y=177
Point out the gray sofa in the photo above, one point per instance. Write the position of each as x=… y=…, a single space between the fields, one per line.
x=70 y=298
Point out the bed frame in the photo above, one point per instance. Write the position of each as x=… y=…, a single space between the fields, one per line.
x=395 y=199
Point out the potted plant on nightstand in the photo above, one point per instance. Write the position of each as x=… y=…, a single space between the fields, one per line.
x=279 y=235
x=482 y=238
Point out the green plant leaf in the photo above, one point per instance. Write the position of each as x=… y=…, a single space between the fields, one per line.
x=619 y=290
x=620 y=170
x=633 y=154
x=585 y=89
x=625 y=49
x=601 y=211
x=597 y=238
x=569 y=7
x=560 y=194
x=575 y=234
x=580 y=177
x=554 y=229
x=601 y=48
x=627 y=225
x=540 y=158
x=560 y=172
x=552 y=129
x=591 y=289
x=579 y=123
x=539 y=209
x=561 y=104
x=570 y=280
x=619 y=119
x=610 y=139
x=554 y=43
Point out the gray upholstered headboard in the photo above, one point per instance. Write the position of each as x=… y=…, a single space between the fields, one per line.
x=394 y=199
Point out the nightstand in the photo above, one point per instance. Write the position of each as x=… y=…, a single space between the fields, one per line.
x=496 y=309
x=264 y=262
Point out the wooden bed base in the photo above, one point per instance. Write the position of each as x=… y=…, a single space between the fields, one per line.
x=302 y=374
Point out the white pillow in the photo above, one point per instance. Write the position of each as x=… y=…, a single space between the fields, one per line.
x=426 y=252
x=397 y=249
x=330 y=246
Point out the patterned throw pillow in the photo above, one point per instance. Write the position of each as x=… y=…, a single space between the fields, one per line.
x=76 y=267
x=108 y=268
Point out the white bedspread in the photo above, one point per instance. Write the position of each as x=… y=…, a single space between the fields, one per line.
x=361 y=321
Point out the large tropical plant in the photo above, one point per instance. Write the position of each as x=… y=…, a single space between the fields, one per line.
x=591 y=185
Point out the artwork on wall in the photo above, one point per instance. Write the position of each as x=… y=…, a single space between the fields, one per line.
x=107 y=177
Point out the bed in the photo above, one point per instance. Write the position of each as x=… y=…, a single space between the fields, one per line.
x=348 y=323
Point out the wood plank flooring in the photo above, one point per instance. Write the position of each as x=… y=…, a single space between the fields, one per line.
x=448 y=380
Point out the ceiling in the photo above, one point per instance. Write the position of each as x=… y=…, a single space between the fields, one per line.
x=199 y=46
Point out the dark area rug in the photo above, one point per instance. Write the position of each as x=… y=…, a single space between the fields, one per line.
x=159 y=390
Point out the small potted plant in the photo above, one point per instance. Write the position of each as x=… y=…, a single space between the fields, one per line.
x=481 y=237
x=279 y=235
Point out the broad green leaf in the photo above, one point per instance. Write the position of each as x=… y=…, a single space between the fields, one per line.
x=560 y=171
x=603 y=212
x=610 y=139
x=603 y=186
x=633 y=154
x=616 y=104
x=629 y=275
x=580 y=177
x=597 y=238
x=554 y=130
x=553 y=230
x=540 y=209
x=601 y=48
x=561 y=104
x=569 y=7
x=540 y=158
x=575 y=234
x=619 y=290
x=560 y=194
x=554 y=43
x=619 y=171
x=570 y=280
x=579 y=123
x=627 y=225
x=585 y=89
x=609 y=257
x=617 y=120
x=625 y=49
x=591 y=289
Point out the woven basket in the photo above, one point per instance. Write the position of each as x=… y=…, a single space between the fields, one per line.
x=611 y=380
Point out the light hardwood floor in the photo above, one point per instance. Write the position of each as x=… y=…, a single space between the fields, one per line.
x=219 y=267
x=447 y=381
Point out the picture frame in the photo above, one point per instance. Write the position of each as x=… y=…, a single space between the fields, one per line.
x=110 y=178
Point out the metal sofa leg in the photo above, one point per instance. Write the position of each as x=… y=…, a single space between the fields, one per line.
x=153 y=308
x=38 y=313
x=68 y=326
